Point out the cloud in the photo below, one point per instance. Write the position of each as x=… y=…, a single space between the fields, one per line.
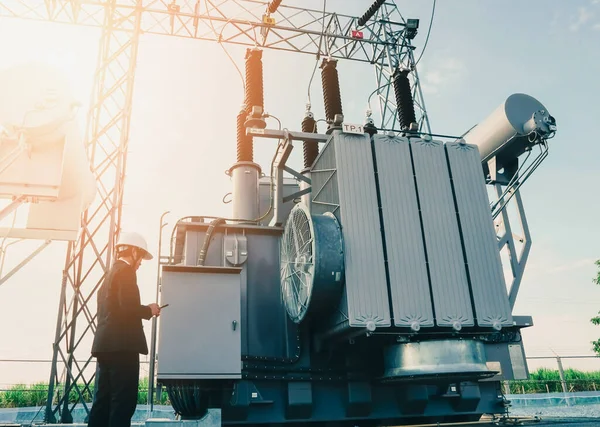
x=584 y=15
x=597 y=26
x=441 y=73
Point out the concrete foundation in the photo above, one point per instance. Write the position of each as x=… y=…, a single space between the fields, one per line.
x=162 y=416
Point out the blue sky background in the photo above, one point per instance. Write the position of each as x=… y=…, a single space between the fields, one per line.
x=187 y=94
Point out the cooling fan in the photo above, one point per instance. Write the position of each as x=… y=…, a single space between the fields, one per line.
x=311 y=263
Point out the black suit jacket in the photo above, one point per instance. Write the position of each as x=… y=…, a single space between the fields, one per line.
x=120 y=313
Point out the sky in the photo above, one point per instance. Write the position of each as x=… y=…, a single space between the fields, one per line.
x=187 y=94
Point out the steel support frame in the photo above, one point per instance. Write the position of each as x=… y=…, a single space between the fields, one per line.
x=89 y=258
x=384 y=42
x=238 y=22
x=398 y=54
x=23 y=263
x=508 y=238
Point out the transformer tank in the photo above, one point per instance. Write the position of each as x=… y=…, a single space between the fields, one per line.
x=381 y=301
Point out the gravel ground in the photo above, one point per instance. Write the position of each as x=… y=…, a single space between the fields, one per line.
x=554 y=410
x=570 y=423
x=581 y=405
x=584 y=411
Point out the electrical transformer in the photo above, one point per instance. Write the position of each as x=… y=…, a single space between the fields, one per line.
x=365 y=289
x=380 y=298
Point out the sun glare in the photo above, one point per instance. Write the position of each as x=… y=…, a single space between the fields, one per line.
x=69 y=51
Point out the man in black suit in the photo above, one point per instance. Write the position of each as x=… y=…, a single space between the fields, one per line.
x=120 y=338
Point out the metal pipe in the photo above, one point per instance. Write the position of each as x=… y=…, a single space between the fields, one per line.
x=154 y=320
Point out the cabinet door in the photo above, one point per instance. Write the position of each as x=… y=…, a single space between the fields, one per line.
x=200 y=331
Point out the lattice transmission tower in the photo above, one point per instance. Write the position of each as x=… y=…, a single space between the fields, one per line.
x=381 y=37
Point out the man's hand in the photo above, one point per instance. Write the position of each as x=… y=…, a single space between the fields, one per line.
x=155 y=309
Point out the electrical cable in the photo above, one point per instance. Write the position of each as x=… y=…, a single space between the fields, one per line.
x=267 y=115
x=219 y=37
x=428 y=33
x=318 y=54
x=373 y=93
x=234 y=64
x=312 y=77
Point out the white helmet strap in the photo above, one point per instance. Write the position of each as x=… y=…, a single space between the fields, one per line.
x=124 y=248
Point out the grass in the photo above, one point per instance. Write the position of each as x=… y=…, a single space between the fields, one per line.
x=541 y=381
x=21 y=395
x=548 y=381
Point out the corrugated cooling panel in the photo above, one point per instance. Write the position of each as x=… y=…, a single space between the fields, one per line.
x=409 y=284
x=366 y=285
x=479 y=238
x=451 y=299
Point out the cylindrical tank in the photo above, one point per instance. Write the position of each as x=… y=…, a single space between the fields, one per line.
x=503 y=133
x=245 y=176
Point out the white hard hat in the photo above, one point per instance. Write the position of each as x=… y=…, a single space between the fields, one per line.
x=135 y=240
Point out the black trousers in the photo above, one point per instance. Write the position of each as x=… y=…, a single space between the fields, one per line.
x=117 y=376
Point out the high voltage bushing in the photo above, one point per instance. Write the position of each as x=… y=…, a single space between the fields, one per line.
x=273 y=6
x=331 y=89
x=370 y=12
x=310 y=148
x=253 y=105
x=254 y=79
x=404 y=100
x=244 y=142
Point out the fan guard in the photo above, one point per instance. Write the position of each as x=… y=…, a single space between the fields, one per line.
x=311 y=263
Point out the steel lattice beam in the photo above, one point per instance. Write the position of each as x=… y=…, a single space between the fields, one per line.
x=228 y=21
x=89 y=258
x=63 y=11
x=398 y=53
x=384 y=43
